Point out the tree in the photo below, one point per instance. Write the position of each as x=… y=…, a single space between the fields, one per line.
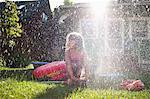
x=10 y=31
x=68 y=2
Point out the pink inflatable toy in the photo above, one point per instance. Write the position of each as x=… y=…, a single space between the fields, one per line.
x=54 y=70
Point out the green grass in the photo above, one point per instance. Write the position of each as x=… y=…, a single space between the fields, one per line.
x=20 y=74
x=110 y=94
x=13 y=89
x=30 y=66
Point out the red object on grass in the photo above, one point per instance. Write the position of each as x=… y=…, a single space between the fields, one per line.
x=57 y=69
x=60 y=76
x=132 y=85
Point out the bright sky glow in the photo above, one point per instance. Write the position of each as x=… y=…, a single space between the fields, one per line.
x=17 y=0
x=99 y=7
x=57 y=3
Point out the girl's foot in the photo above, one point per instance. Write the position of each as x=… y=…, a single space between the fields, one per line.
x=69 y=82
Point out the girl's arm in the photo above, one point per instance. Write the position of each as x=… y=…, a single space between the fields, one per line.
x=68 y=64
x=85 y=64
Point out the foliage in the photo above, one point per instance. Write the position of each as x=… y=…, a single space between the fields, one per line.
x=68 y=2
x=20 y=60
x=10 y=22
x=20 y=74
x=2 y=62
x=145 y=77
x=145 y=50
x=10 y=31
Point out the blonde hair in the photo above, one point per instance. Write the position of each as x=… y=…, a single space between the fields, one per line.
x=78 y=38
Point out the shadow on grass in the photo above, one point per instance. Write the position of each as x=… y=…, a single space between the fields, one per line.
x=57 y=92
x=17 y=74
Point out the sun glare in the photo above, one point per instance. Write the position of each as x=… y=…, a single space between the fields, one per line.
x=99 y=7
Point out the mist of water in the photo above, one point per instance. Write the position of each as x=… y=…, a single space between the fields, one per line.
x=110 y=61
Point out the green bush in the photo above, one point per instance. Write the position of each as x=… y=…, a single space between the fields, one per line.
x=145 y=77
x=2 y=62
x=20 y=60
x=10 y=31
x=68 y=2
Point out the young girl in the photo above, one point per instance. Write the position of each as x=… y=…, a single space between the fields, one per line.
x=74 y=68
x=75 y=58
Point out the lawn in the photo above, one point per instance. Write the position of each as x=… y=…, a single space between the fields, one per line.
x=30 y=66
x=13 y=89
x=17 y=83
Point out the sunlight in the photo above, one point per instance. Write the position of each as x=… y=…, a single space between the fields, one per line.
x=100 y=11
x=99 y=7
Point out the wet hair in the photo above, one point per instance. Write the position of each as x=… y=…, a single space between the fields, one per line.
x=78 y=38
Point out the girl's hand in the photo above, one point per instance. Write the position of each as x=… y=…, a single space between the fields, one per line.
x=84 y=77
x=69 y=81
x=75 y=78
x=79 y=73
